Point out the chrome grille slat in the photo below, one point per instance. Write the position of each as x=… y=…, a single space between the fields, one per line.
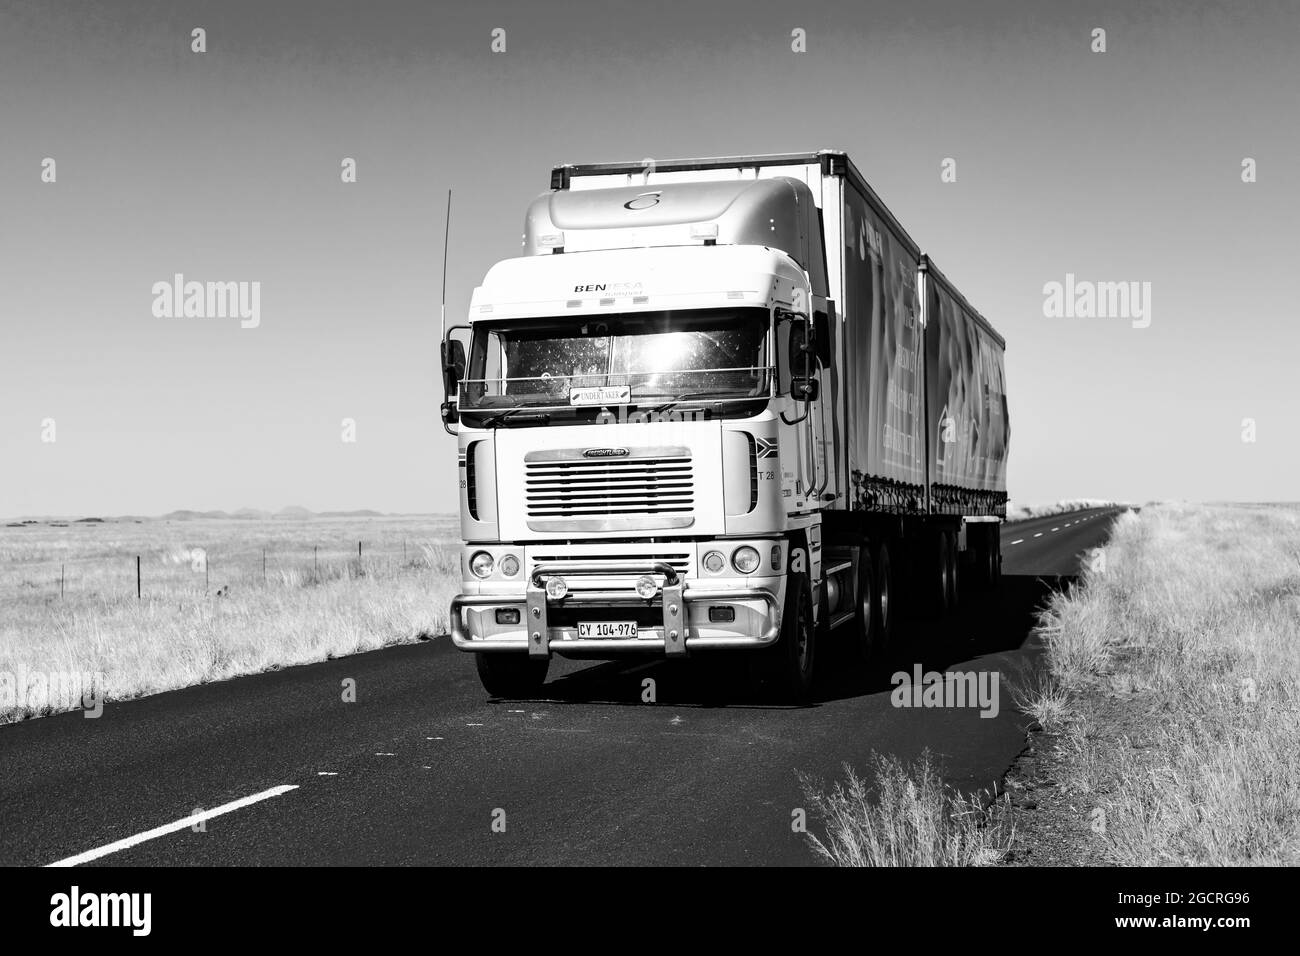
x=565 y=487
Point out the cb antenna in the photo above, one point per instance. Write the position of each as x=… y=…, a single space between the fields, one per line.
x=446 y=235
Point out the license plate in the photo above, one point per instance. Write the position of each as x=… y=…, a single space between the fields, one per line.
x=597 y=629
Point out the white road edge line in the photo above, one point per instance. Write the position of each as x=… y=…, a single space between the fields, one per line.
x=1018 y=541
x=189 y=821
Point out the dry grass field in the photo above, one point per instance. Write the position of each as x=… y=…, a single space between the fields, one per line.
x=274 y=592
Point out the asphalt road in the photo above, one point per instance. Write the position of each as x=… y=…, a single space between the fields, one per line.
x=422 y=765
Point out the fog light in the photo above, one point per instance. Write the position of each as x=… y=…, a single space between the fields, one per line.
x=507 y=615
x=556 y=587
x=510 y=565
x=714 y=562
x=646 y=587
x=481 y=564
x=746 y=560
x=722 y=615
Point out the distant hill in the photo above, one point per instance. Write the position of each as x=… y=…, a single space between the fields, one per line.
x=255 y=513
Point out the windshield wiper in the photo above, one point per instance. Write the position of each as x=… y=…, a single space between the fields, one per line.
x=681 y=397
x=509 y=414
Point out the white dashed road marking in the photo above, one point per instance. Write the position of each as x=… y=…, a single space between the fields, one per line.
x=181 y=824
x=1018 y=541
x=1039 y=535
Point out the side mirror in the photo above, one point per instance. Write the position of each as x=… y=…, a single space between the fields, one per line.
x=453 y=371
x=822 y=332
x=453 y=365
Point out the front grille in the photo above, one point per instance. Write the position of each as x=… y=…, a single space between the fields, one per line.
x=647 y=487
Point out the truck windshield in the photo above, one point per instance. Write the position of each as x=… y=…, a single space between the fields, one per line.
x=619 y=358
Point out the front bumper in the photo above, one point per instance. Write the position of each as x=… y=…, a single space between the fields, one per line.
x=681 y=624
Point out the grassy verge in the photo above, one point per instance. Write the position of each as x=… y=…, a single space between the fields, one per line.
x=1168 y=717
x=903 y=815
x=311 y=602
x=1179 y=665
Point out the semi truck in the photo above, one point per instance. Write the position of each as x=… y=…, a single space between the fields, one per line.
x=718 y=406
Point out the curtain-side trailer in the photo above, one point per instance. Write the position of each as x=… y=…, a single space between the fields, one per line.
x=718 y=406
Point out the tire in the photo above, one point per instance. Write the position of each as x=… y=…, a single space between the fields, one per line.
x=988 y=558
x=994 y=545
x=866 y=628
x=954 y=575
x=886 y=607
x=942 y=571
x=789 y=664
x=511 y=675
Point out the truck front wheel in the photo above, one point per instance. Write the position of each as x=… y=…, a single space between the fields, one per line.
x=789 y=664
x=511 y=675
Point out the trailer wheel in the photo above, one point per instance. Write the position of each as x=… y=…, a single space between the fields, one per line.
x=511 y=675
x=788 y=665
x=866 y=638
x=995 y=558
x=954 y=565
x=943 y=566
x=885 y=610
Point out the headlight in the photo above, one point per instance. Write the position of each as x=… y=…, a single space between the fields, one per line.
x=646 y=587
x=745 y=560
x=510 y=565
x=481 y=564
x=714 y=562
x=556 y=587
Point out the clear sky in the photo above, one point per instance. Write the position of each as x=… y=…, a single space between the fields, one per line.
x=225 y=165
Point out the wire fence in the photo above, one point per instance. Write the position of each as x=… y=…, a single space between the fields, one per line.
x=217 y=569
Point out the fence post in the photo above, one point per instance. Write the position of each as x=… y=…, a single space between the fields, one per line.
x=137 y=577
x=62 y=567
